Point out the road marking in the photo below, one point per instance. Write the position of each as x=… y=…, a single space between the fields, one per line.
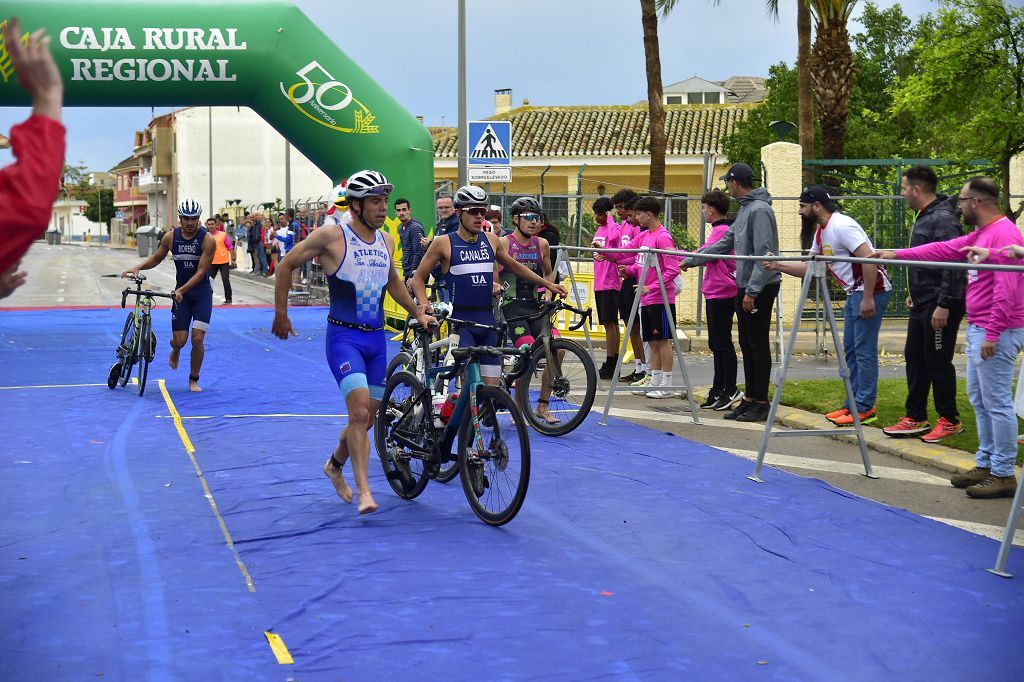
x=983 y=529
x=793 y=462
x=16 y=388
x=190 y=449
x=248 y=416
x=281 y=652
x=684 y=418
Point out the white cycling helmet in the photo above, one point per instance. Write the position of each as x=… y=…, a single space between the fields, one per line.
x=338 y=198
x=190 y=208
x=367 y=183
x=470 y=195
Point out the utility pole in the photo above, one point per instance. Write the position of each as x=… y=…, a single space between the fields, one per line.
x=287 y=174
x=210 y=128
x=463 y=125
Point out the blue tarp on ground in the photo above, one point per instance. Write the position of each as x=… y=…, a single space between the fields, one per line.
x=638 y=554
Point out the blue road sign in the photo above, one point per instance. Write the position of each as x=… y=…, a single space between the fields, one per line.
x=490 y=143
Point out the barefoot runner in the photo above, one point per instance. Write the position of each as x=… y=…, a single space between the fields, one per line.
x=359 y=255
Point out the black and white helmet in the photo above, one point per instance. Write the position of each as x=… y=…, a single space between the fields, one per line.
x=190 y=208
x=524 y=205
x=470 y=195
x=367 y=183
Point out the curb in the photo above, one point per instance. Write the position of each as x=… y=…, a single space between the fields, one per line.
x=947 y=459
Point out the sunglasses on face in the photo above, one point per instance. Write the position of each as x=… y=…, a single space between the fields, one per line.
x=529 y=216
x=478 y=210
x=380 y=190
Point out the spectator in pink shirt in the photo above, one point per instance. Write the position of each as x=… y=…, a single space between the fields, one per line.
x=607 y=284
x=622 y=202
x=657 y=325
x=995 y=334
x=719 y=289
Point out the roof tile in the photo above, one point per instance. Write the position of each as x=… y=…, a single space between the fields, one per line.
x=609 y=130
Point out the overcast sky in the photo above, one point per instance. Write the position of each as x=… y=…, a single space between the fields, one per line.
x=553 y=52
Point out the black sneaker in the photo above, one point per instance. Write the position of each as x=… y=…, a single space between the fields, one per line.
x=608 y=368
x=713 y=397
x=757 y=413
x=726 y=400
x=630 y=378
x=740 y=409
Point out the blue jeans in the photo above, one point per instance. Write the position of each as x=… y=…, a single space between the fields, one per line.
x=262 y=259
x=990 y=390
x=860 y=346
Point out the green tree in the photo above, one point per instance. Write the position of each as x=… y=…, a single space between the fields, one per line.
x=780 y=105
x=96 y=200
x=884 y=53
x=969 y=85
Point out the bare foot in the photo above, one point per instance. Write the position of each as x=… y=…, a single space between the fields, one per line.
x=546 y=416
x=194 y=386
x=172 y=359
x=367 y=505
x=338 y=480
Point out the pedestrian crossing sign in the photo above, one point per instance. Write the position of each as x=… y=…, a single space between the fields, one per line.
x=490 y=143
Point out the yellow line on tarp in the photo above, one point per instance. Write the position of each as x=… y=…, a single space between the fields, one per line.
x=278 y=647
x=190 y=449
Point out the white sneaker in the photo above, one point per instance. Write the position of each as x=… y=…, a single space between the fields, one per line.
x=659 y=394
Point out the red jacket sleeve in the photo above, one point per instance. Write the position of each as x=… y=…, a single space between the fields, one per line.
x=30 y=185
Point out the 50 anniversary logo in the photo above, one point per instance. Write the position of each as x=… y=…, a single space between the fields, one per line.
x=320 y=100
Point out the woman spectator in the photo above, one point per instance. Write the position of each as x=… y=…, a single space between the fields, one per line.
x=719 y=289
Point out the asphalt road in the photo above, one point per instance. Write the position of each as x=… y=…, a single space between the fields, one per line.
x=71 y=275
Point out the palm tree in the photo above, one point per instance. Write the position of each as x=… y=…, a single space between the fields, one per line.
x=649 y=16
x=829 y=71
x=804 y=107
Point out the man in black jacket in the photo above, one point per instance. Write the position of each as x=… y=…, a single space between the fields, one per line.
x=936 y=304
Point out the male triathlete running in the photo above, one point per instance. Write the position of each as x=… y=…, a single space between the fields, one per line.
x=192 y=249
x=520 y=299
x=358 y=256
x=467 y=257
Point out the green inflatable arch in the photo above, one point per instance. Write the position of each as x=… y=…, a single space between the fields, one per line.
x=266 y=55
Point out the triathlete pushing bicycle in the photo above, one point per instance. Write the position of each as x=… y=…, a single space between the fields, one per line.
x=192 y=249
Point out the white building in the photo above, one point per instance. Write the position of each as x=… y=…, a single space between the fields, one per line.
x=248 y=163
x=733 y=90
x=68 y=217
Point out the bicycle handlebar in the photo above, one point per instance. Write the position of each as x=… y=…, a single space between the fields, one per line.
x=145 y=292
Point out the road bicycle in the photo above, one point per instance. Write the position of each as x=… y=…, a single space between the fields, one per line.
x=414 y=442
x=557 y=372
x=138 y=342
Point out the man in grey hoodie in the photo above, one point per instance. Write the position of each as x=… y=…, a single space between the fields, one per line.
x=753 y=233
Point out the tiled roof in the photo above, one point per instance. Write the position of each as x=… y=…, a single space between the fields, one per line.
x=610 y=130
x=745 y=89
x=130 y=163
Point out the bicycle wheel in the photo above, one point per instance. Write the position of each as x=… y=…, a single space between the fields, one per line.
x=126 y=351
x=495 y=478
x=572 y=379
x=401 y=421
x=143 y=344
x=400 y=361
